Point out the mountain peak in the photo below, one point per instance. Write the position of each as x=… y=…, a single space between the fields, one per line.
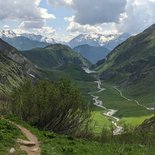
x=95 y=39
x=37 y=37
x=8 y=33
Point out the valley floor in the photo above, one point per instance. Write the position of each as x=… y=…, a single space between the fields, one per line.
x=129 y=111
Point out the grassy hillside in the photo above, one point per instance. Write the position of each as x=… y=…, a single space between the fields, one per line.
x=55 y=56
x=70 y=71
x=132 y=65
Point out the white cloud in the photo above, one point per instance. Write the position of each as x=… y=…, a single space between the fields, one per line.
x=44 y=31
x=29 y=12
x=97 y=12
x=61 y=2
x=77 y=28
x=139 y=15
x=32 y=24
x=23 y=10
x=6 y=26
x=131 y=16
x=94 y=11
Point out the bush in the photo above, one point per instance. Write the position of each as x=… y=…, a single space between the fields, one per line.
x=58 y=107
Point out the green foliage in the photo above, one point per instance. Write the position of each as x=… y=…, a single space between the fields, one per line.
x=51 y=106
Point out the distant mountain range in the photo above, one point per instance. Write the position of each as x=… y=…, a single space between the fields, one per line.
x=92 y=53
x=93 y=47
x=25 y=41
x=97 y=40
x=34 y=37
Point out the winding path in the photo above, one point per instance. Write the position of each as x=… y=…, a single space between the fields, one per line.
x=31 y=147
x=31 y=150
x=132 y=100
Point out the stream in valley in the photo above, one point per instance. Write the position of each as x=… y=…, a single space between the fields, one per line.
x=109 y=112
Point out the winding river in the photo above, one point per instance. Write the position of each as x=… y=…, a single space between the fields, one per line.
x=109 y=112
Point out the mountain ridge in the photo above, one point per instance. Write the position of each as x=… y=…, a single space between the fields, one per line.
x=110 y=41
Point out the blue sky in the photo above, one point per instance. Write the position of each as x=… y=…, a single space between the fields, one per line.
x=65 y=19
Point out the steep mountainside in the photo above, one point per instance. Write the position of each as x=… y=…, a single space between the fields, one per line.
x=133 y=63
x=55 y=56
x=13 y=67
x=92 y=53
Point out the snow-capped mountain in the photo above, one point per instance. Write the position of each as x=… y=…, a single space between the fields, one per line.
x=34 y=37
x=93 y=39
x=7 y=33
x=39 y=38
x=25 y=41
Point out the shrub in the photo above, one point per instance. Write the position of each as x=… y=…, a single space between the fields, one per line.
x=57 y=107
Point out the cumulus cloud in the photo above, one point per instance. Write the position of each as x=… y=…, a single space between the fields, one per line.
x=32 y=17
x=100 y=11
x=94 y=11
x=32 y=24
x=76 y=28
x=24 y=10
x=139 y=14
x=131 y=16
x=45 y=31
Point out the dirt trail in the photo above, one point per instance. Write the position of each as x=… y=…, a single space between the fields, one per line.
x=29 y=149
